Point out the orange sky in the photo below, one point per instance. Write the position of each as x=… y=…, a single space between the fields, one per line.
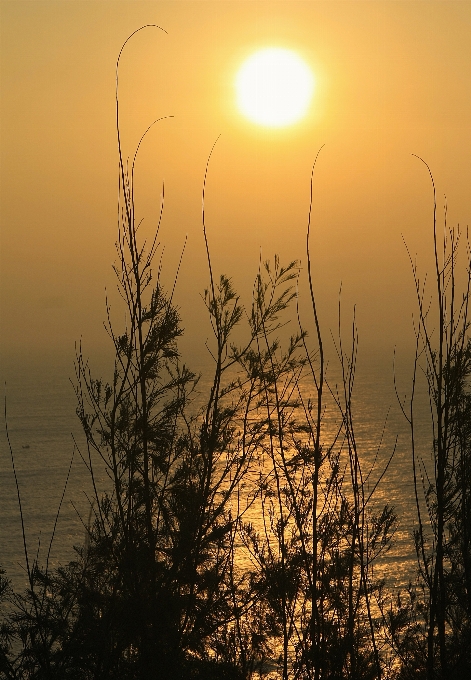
x=392 y=80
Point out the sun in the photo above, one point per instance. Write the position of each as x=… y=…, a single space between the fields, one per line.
x=274 y=87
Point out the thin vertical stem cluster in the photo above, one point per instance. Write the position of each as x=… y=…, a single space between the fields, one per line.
x=439 y=606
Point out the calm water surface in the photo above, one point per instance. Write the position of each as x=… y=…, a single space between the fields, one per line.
x=43 y=425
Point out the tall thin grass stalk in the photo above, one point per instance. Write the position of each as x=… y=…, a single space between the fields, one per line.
x=442 y=355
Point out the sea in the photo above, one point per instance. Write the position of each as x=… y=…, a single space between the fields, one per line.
x=43 y=457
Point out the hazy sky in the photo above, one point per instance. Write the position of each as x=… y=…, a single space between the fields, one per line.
x=393 y=79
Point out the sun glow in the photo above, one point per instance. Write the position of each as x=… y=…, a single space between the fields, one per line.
x=274 y=87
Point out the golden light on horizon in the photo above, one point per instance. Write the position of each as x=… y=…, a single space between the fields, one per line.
x=274 y=87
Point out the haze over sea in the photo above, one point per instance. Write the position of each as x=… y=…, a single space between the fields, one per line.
x=42 y=425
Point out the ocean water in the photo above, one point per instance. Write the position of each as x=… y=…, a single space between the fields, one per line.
x=44 y=432
x=42 y=425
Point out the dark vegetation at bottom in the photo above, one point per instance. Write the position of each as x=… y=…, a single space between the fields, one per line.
x=234 y=541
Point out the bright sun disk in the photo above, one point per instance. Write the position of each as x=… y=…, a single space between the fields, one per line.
x=274 y=87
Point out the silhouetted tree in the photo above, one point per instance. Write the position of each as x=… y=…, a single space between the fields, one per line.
x=433 y=627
